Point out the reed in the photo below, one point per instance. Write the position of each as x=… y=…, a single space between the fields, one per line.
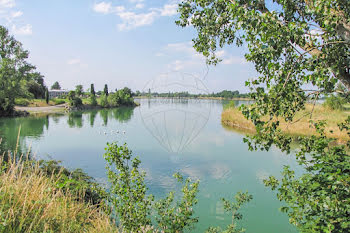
x=232 y=117
x=31 y=202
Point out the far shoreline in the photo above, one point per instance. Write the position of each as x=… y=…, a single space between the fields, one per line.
x=208 y=98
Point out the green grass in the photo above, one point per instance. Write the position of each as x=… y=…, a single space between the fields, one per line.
x=22 y=102
x=39 y=102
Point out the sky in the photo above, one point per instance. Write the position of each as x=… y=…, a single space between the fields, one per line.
x=116 y=42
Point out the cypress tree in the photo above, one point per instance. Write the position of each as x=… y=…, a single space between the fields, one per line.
x=92 y=90
x=47 y=96
x=106 y=90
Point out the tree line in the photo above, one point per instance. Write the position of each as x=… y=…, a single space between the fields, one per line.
x=18 y=78
x=222 y=94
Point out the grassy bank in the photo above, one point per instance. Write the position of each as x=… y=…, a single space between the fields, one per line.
x=232 y=117
x=31 y=201
x=38 y=102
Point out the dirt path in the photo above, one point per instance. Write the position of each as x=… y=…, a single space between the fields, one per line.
x=49 y=109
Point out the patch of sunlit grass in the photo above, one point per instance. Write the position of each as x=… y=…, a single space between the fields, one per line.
x=30 y=202
x=232 y=117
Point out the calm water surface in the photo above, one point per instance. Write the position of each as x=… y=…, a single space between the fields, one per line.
x=169 y=136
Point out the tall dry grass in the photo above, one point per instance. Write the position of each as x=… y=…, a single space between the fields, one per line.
x=232 y=117
x=30 y=202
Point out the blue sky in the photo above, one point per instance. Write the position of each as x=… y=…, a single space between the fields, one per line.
x=120 y=43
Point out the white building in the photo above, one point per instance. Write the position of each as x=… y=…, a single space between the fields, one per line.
x=57 y=93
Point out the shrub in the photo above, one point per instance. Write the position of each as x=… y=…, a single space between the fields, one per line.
x=104 y=101
x=76 y=102
x=93 y=101
x=134 y=207
x=120 y=98
x=59 y=101
x=22 y=102
x=334 y=102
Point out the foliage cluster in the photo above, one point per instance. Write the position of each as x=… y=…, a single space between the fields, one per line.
x=104 y=101
x=334 y=102
x=319 y=200
x=293 y=44
x=120 y=98
x=18 y=78
x=79 y=90
x=56 y=86
x=21 y=102
x=134 y=207
x=233 y=207
x=74 y=101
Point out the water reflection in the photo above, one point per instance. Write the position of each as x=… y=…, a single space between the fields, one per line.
x=75 y=119
x=30 y=127
x=35 y=126
x=92 y=115
x=175 y=122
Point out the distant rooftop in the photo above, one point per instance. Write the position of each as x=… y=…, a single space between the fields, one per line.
x=55 y=90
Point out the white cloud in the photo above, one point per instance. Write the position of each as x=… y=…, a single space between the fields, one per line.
x=22 y=30
x=103 y=7
x=177 y=65
x=76 y=62
x=184 y=47
x=139 y=6
x=16 y=14
x=234 y=60
x=12 y=18
x=187 y=58
x=220 y=53
x=169 y=10
x=7 y=4
x=131 y=19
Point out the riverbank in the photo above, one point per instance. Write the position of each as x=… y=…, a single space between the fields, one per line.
x=32 y=200
x=47 y=109
x=62 y=108
x=233 y=118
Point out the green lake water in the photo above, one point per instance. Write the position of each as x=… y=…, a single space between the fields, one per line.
x=169 y=136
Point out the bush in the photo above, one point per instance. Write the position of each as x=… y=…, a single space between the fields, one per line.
x=334 y=102
x=59 y=101
x=104 y=101
x=113 y=100
x=76 y=102
x=93 y=101
x=22 y=102
x=135 y=209
x=120 y=98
